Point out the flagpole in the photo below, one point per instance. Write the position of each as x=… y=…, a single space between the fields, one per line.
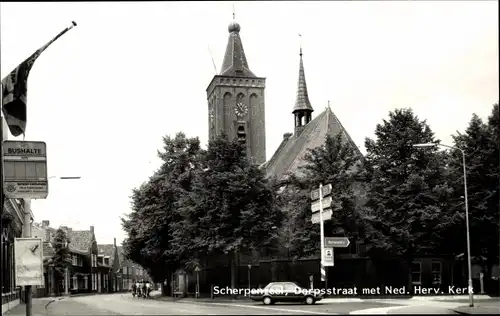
x=2 y=268
x=28 y=63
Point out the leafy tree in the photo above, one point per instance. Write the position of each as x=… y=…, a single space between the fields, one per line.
x=230 y=207
x=335 y=162
x=481 y=146
x=149 y=226
x=408 y=193
x=62 y=256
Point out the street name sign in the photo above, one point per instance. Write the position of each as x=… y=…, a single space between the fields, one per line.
x=327 y=203
x=28 y=260
x=337 y=242
x=25 y=170
x=327 y=190
x=328 y=257
x=327 y=215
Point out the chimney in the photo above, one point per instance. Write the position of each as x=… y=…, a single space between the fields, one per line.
x=114 y=242
x=287 y=136
x=45 y=224
x=92 y=229
x=47 y=235
x=69 y=230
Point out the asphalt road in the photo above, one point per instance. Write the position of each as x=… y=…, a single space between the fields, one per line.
x=121 y=304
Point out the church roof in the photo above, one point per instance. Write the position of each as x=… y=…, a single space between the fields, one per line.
x=302 y=102
x=291 y=153
x=235 y=62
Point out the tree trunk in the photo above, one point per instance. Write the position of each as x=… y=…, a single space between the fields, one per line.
x=409 y=260
x=234 y=268
x=166 y=287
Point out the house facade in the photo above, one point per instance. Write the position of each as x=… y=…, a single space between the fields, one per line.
x=109 y=263
x=129 y=272
x=12 y=214
x=92 y=265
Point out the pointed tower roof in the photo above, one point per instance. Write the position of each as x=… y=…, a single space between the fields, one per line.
x=291 y=153
x=302 y=102
x=235 y=62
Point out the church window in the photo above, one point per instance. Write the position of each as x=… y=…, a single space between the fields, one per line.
x=240 y=97
x=242 y=135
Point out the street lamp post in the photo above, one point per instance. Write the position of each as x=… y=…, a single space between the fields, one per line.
x=469 y=263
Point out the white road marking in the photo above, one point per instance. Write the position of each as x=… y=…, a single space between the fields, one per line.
x=273 y=309
x=375 y=311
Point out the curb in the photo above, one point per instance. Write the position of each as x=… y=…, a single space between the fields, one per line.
x=52 y=301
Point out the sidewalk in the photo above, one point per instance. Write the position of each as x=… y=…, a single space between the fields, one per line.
x=492 y=307
x=38 y=308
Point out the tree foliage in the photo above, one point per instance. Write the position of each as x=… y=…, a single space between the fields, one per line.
x=408 y=193
x=480 y=143
x=336 y=162
x=61 y=260
x=149 y=225
x=230 y=206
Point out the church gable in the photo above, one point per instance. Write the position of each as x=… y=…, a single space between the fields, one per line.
x=290 y=156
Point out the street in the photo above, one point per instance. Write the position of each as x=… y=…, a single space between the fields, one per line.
x=119 y=304
x=125 y=304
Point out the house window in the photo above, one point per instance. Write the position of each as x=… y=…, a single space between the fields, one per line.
x=75 y=283
x=74 y=260
x=416 y=272
x=79 y=261
x=436 y=272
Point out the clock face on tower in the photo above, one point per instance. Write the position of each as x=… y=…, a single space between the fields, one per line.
x=240 y=109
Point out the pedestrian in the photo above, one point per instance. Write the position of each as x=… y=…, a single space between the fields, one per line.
x=134 y=288
x=138 y=288
x=144 y=289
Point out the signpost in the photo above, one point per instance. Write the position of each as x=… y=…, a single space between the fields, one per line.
x=25 y=170
x=337 y=242
x=321 y=203
x=197 y=270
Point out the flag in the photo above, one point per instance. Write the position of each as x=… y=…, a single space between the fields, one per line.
x=15 y=90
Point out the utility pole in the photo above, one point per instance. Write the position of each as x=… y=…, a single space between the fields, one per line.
x=28 y=295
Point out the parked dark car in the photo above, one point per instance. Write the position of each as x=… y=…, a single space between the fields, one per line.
x=285 y=292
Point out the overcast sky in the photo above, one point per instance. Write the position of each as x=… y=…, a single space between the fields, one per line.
x=105 y=93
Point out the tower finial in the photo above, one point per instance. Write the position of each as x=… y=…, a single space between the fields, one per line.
x=300 y=43
x=234 y=13
x=328 y=103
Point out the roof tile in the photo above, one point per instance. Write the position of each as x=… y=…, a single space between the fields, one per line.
x=80 y=240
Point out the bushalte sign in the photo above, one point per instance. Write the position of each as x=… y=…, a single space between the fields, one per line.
x=25 y=170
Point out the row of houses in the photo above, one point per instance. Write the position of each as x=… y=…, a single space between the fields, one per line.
x=96 y=268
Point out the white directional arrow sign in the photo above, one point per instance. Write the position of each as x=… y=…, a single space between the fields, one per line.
x=327 y=203
x=337 y=242
x=327 y=215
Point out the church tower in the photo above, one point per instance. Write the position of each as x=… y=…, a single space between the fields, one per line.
x=302 y=110
x=236 y=101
